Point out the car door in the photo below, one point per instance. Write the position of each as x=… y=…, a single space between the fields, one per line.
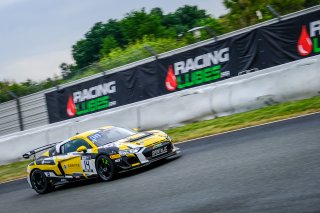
x=73 y=162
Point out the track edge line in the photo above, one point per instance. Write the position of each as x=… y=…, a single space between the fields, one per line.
x=277 y=121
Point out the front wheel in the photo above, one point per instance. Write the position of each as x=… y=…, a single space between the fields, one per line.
x=40 y=182
x=105 y=168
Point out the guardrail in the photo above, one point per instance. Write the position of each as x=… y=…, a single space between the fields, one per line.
x=293 y=81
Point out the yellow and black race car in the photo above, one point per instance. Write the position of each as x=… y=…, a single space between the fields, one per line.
x=97 y=153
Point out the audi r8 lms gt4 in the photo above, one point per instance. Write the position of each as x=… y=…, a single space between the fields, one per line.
x=99 y=153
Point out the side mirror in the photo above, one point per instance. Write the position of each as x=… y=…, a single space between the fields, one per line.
x=82 y=149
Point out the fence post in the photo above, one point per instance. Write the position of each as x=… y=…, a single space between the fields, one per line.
x=18 y=109
x=274 y=12
x=152 y=51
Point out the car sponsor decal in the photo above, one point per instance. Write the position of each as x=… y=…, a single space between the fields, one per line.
x=159 y=151
x=115 y=156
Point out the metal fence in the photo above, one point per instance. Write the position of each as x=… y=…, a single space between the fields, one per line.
x=33 y=111
x=9 y=118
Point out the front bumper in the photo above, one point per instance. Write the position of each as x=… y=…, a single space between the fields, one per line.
x=138 y=160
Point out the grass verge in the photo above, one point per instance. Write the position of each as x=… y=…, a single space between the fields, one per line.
x=13 y=171
x=209 y=127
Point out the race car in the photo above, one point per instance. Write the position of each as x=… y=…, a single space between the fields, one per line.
x=99 y=153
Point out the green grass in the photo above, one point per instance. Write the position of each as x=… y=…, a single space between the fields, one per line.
x=209 y=127
x=13 y=170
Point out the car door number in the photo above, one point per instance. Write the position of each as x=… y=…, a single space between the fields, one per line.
x=88 y=165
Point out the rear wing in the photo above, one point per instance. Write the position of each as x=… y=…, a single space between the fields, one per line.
x=37 y=150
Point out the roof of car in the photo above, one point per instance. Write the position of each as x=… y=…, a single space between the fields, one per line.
x=90 y=132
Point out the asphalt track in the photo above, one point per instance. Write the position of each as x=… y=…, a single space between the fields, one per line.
x=271 y=168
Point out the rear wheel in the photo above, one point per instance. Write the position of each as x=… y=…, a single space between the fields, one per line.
x=40 y=182
x=105 y=168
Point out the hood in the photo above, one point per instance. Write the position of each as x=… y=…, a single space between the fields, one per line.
x=141 y=139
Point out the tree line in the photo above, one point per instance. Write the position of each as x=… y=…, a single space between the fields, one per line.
x=117 y=42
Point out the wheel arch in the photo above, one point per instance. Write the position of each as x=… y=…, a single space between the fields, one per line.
x=107 y=151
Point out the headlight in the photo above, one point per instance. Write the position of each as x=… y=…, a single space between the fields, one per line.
x=129 y=151
x=168 y=138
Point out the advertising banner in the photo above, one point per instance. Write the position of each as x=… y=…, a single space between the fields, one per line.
x=267 y=46
x=103 y=93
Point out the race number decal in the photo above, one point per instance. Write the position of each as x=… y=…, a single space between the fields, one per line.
x=88 y=165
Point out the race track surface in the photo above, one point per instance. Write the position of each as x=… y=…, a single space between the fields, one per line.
x=271 y=168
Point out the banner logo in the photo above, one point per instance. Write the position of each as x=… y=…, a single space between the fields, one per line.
x=71 y=107
x=90 y=100
x=304 y=43
x=309 y=42
x=195 y=71
x=171 y=80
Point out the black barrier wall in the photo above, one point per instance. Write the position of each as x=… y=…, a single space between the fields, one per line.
x=264 y=47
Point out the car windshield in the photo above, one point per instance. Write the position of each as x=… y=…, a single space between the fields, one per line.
x=106 y=136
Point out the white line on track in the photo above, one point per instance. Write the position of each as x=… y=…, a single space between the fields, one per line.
x=8 y=181
x=249 y=127
x=208 y=136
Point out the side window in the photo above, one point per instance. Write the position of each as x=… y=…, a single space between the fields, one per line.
x=73 y=145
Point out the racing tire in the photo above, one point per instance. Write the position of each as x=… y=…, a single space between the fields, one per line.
x=105 y=168
x=39 y=182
